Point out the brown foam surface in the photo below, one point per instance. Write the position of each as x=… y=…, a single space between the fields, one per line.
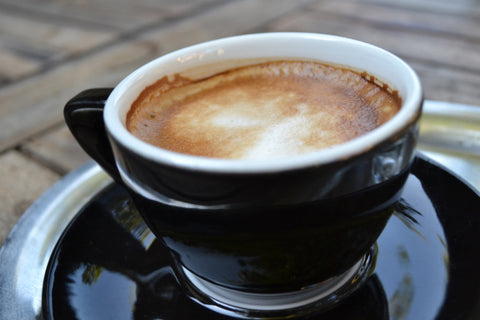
x=268 y=110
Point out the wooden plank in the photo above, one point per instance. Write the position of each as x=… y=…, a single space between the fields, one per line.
x=119 y=14
x=453 y=51
x=377 y=14
x=233 y=18
x=57 y=149
x=47 y=40
x=14 y=66
x=29 y=40
x=23 y=181
x=28 y=45
x=465 y=7
x=36 y=104
x=447 y=84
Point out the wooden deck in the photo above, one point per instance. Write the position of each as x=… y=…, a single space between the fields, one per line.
x=50 y=51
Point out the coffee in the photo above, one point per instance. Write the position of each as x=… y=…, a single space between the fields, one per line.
x=268 y=110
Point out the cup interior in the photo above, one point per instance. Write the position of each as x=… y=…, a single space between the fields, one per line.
x=202 y=60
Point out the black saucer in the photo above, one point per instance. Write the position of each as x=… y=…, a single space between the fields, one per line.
x=108 y=265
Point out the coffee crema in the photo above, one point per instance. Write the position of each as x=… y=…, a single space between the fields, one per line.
x=268 y=110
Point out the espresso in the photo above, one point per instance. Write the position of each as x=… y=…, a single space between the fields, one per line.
x=269 y=110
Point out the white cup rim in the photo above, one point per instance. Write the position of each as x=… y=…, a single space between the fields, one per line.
x=134 y=83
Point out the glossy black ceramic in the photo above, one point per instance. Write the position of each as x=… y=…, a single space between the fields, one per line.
x=108 y=265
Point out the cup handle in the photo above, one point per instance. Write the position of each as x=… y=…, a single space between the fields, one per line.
x=84 y=117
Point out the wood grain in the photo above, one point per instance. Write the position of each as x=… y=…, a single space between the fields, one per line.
x=23 y=181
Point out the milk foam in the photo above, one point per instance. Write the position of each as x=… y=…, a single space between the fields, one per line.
x=268 y=110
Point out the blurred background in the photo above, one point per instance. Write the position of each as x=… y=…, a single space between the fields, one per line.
x=52 y=49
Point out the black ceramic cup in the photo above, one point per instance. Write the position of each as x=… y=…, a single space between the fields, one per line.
x=259 y=226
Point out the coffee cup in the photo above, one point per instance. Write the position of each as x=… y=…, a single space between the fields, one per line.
x=270 y=225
